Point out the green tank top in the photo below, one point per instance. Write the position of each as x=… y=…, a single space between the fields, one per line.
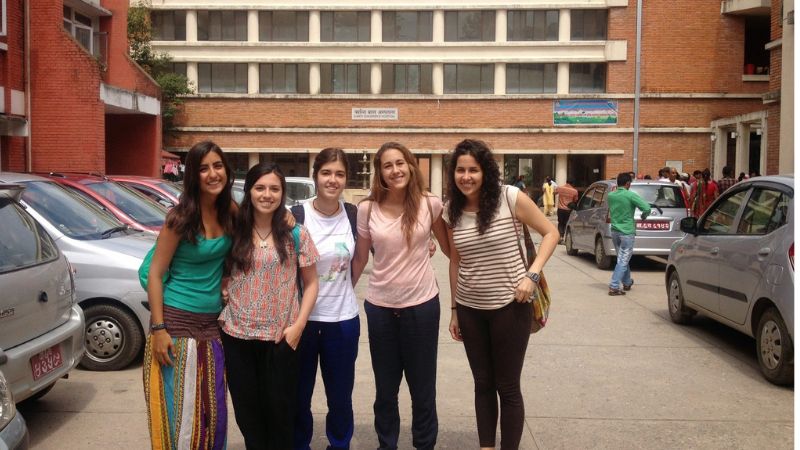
x=195 y=275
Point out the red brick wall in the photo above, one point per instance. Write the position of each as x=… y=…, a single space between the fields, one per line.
x=122 y=71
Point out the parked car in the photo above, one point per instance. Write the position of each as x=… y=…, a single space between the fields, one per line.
x=736 y=265
x=164 y=192
x=298 y=190
x=41 y=322
x=130 y=207
x=13 y=430
x=106 y=255
x=589 y=226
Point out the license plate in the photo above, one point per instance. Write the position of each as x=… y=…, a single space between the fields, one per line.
x=46 y=361
x=661 y=225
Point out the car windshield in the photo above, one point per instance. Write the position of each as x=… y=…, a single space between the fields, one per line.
x=172 y=188
x=137 y=207
x=663 y=196
x=68 y=212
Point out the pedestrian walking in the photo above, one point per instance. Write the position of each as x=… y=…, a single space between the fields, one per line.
x=548 y=199
x=402 y=304
x=704 y=192
x=263 y=320
x=330 y=338
x=566 y=194
x=490 y=286
x=183 y=368
x=727 y=180
x=622 y=204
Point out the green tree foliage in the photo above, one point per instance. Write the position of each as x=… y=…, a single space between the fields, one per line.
x=157 y=64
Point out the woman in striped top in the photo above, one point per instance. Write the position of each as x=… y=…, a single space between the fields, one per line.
x=490 y=286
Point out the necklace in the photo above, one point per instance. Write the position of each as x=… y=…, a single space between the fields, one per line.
x=262 y=240
x=314 y=204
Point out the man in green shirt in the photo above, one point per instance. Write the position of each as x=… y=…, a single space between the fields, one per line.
x=622 y=204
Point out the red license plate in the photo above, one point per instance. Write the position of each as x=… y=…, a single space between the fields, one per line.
x=661 y=225
x=46 y=361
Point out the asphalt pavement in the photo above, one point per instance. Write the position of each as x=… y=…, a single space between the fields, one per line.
x=606 y=373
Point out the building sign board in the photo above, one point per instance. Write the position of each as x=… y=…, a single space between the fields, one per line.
x=375 y=114
x=585 y=112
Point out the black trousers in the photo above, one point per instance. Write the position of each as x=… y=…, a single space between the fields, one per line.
x=403 y=341
x=262 y=379
x=495 y=341
x=563 y=217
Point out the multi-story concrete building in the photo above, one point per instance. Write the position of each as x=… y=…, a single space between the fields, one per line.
x=549 y=84
x=71 y=98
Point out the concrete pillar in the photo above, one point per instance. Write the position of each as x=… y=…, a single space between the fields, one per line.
x=311 y=157
x=763 y=162
x=501 y=25
x=561 y=169
x=313 y=78
x=252 y=25
x=437 y=73
x=787 y=124
x=742 y=147
x=719 y=151
x=252 y=159
x=376 y=26
x=253 y=78
x=564 y=25
x=191 y=74
x=438 y=25
x=436 y=175
x=499 y=78
x=191 y=26
x=313 y=26
x=562 y=80
x=375 y=78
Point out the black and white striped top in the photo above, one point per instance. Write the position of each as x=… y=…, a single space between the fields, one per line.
x=490 y=266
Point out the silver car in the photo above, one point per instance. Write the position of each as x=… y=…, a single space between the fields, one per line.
x=41 y=325
x=106 y=256
x=589 y=226
x=13 y=430
x=736 y=266
x=298 y=190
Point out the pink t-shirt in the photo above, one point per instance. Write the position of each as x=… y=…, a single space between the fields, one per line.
x=402 y=276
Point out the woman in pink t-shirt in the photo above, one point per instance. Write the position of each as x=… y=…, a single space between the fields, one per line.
x=402 y=304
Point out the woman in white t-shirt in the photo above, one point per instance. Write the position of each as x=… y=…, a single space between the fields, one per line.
x=331 y=334
x=402 y=304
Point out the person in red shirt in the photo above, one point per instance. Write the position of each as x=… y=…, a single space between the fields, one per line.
x=566 y=195
x=704 y=193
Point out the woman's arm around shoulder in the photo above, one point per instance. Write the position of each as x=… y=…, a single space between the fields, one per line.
x=438 y=226
x=364 y=241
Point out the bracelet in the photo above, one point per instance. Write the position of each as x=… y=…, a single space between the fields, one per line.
x=158 y=326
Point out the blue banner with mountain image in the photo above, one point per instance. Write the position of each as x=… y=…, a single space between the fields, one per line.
x=585 y=112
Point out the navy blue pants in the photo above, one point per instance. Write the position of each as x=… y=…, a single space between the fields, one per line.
x=404 y=341
x=334 y=345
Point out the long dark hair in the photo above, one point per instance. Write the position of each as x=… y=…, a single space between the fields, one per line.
x=241 y=255
x=185 y=218
x=489 y=197
x=414 y=189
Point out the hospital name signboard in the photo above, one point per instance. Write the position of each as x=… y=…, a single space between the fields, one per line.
x=374 y=114
x=585 y=112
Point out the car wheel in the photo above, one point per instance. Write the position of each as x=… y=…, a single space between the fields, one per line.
x=774 y=348
x=571 y=250
x=602 y=260
x=113 y=338
x=678 y=311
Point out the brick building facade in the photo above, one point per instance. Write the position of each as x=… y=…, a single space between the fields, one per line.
x=280 y=80
x=73 y=99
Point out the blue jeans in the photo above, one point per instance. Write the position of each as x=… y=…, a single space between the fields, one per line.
x=335 y=346
x=404 y=341
x=622 y=272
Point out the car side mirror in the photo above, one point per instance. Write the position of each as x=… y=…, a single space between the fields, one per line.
x=689 y=225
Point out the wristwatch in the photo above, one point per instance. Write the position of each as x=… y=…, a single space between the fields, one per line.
x=533 y=276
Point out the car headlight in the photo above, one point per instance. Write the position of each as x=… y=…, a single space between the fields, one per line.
x=7 y=408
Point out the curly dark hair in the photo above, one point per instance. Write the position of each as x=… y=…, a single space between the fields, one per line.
x=491 y=188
